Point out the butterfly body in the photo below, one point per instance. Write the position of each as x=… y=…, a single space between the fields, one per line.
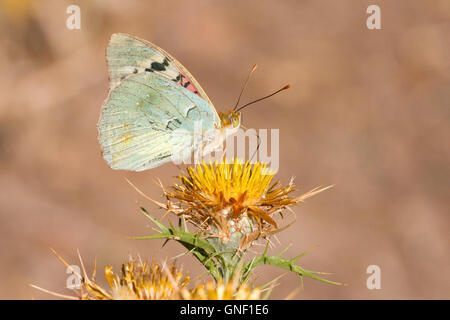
x=154 y=108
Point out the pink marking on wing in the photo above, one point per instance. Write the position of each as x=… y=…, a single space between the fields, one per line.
x=187 y=83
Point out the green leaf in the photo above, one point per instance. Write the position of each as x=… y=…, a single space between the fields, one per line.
x=154 y=220
x=287 y=264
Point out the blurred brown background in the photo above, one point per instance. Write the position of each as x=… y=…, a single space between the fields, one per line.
x=368 y=111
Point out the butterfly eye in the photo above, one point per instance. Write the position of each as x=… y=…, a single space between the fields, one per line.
x=237 y=120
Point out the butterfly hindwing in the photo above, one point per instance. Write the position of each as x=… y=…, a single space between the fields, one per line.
x=146 y=117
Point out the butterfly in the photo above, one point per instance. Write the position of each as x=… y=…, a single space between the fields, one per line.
x=154 y=107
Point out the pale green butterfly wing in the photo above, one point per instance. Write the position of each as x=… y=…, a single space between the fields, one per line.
x=146 y=117
x=127 y=54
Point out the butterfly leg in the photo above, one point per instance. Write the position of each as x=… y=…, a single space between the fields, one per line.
x=257 y=147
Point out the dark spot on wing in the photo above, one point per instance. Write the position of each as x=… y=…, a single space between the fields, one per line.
x=135 y=70
x=165 y=62
x=187 y=84
x=156 y=66
x=173 y=124
x=161 y=156
x=148 y=70
x=194 y=113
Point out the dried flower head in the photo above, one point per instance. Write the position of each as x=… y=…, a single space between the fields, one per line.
x=222 y=291
x=140 y=280
x=145 y=281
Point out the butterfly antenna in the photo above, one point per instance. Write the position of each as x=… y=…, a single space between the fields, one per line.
x=245 y=85
x=268 y=96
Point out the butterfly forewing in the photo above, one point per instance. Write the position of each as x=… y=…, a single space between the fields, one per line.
x=127 y=54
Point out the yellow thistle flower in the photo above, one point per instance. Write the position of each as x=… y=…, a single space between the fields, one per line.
x=225 y=199
x=235 y=188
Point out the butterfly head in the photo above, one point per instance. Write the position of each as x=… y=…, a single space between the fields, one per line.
x=230 y=119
